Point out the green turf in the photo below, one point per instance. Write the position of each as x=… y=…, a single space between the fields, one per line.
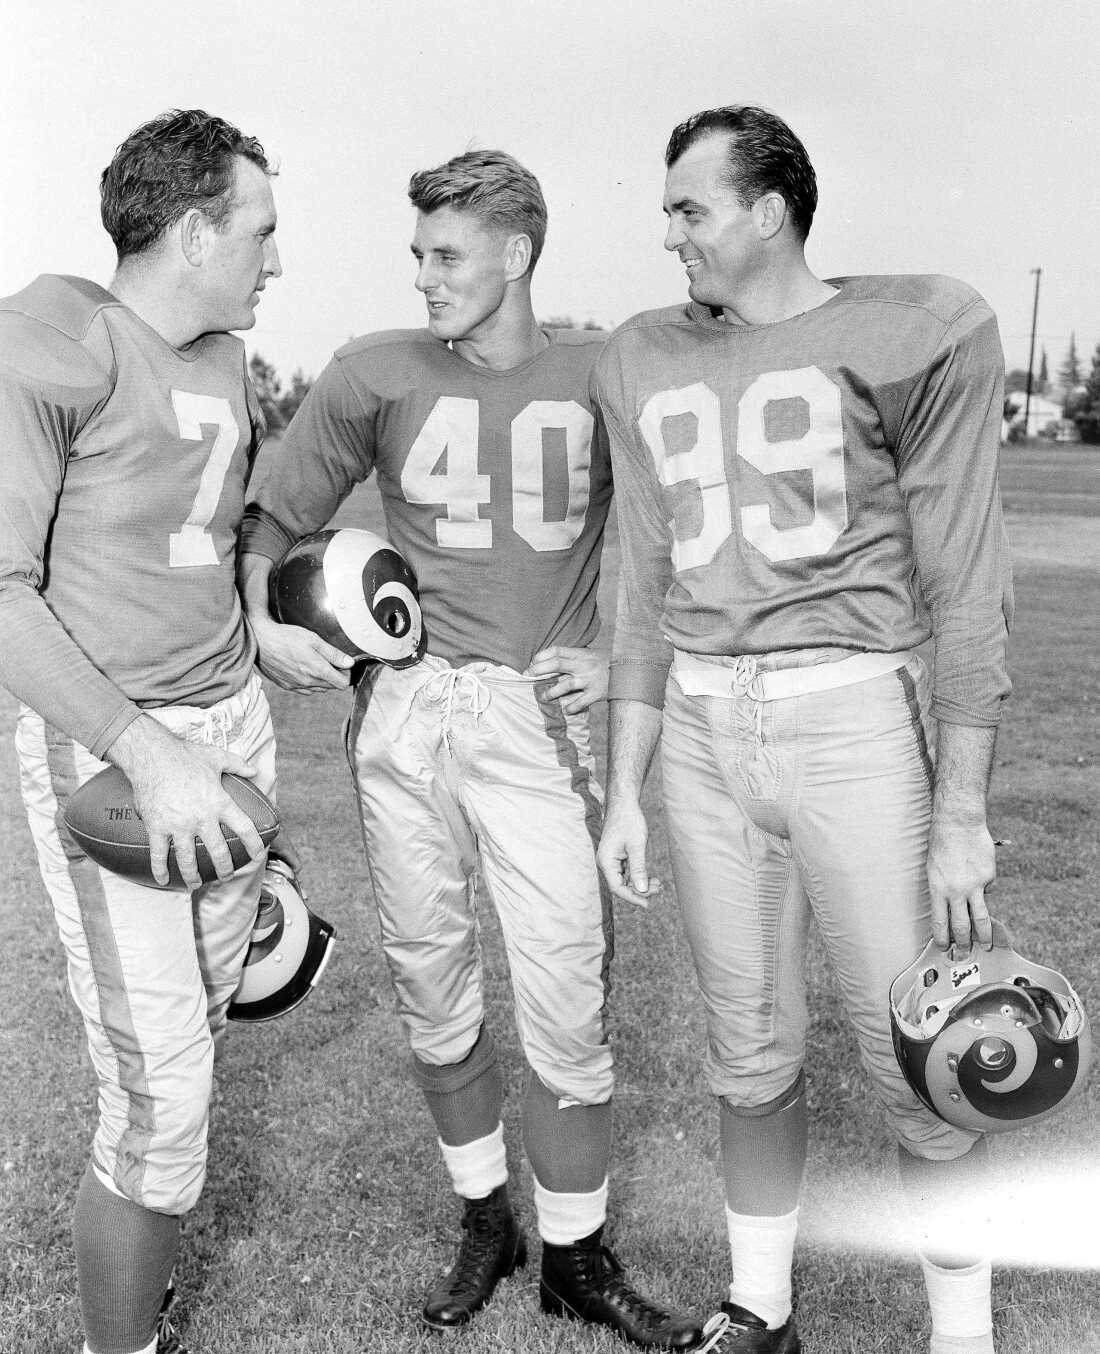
x=327 y=1211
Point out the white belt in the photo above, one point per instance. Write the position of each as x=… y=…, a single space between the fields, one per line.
x=741 y=677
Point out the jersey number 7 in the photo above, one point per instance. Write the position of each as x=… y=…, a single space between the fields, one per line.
x=193 y=544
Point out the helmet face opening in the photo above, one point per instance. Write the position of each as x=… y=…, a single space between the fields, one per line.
x=287 y=952
x=988 y=1040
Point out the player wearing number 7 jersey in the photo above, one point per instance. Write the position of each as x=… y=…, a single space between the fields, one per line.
x=806 y=474
x=129 y=429
x=495 y=480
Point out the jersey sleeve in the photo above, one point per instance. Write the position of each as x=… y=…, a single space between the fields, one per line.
x=49 y=388
x=641 y=654
x=947 y=457
x=325 y=452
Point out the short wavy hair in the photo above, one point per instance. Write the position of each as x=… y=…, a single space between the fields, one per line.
x=764 y=156
x=490 y=184
x=179 y=160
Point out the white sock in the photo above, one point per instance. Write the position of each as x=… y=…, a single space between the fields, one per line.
x=762 y=1249
x=150 y=1348
x=477 y=1168
x=961 y=1305
x=565 y=1218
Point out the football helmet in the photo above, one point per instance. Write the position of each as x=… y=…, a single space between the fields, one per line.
x=288 y=950
x=353 y=589
x=987 y=1039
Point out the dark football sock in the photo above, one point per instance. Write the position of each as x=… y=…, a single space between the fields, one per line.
x=466 y=1098
x=569 y=1147
x=764 y=1153
x=124 y=1260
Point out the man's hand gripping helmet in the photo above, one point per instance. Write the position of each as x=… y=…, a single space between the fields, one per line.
x=353 y=589
x=287 y=952
x=988 y=1040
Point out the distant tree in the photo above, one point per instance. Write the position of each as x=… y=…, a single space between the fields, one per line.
x=1087 y=414
x=1075 y=399
x=268 y=391
x=1043 y=379
x=1015 y=380
x=300 y=386
x=566 y=322
x=1069 y=373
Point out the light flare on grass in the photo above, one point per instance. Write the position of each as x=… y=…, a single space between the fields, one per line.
x=1041 y=1218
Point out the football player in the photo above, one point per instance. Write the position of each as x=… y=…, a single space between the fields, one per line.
x=495 y=481
x=806 y=474
x=130 y=427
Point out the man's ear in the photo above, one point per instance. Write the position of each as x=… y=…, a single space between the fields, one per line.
x=192 y=230
x=517 y=256
x=770 y=212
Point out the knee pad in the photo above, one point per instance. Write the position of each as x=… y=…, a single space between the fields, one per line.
x=794 y=1092
x=451 y=1077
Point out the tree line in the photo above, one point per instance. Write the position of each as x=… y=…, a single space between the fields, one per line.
x=279 y=405
x=1082 y=401
x=1081 y=390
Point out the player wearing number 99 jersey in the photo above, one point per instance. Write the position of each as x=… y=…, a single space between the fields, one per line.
x=806 y=478
x=495 y=480
x=129 y=428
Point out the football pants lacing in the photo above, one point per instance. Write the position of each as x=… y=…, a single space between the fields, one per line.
x=216 y=726
x=456 y=690
x=747 y=682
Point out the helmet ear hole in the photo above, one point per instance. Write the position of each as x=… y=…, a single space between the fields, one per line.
x=394 y=620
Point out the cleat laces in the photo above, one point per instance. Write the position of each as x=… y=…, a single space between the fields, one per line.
x=480 y=1246
x=617 y=1288
x=715 y=1331
x=168 y=1342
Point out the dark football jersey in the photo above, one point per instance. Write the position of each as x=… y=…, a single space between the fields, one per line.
x=830 y=479
x=125 y=469
x=495 y=484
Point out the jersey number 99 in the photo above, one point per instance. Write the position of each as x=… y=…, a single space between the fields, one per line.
x=819 y=450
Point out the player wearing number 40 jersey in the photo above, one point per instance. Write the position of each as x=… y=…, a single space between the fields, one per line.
x=495 y=481
x=129 y=428
x=806 y=475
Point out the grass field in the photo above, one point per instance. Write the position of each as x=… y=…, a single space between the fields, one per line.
x=326 y=1209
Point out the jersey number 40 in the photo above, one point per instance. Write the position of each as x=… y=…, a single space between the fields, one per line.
x=452 y=428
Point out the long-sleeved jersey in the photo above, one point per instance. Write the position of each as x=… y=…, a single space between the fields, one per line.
x=495 y=485
x=830 y=479
x=125 y=464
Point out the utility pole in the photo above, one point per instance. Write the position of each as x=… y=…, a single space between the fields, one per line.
x=1031 y=351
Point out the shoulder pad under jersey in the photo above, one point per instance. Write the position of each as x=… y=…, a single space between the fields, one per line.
x=68 y=304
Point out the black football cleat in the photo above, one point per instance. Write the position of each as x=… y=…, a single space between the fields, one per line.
x=585 y=1282
x=168 y=1340
x=734 y=1330
x=492 y=1247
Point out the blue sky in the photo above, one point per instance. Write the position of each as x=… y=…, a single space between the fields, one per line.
x=954 y=136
